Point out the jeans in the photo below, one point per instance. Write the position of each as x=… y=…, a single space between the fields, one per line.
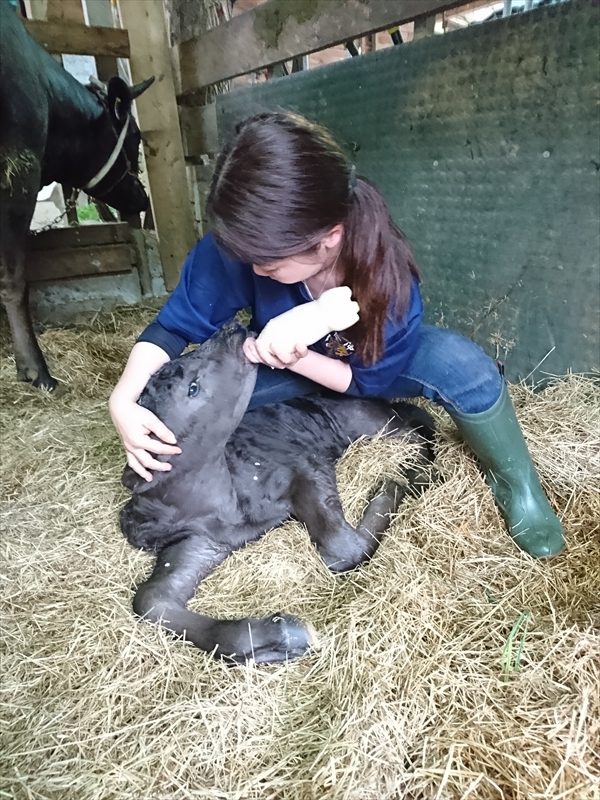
x=447 y=368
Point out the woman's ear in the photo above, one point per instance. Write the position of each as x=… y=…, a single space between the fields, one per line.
x=334 y=237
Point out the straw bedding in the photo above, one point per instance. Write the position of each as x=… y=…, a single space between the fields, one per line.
x=451 y=666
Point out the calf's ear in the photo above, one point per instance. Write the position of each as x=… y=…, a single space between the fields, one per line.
x=119 y=101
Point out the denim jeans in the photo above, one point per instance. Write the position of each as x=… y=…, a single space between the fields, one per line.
x=447 y=368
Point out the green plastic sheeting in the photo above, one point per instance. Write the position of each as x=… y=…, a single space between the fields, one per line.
x=485 y=143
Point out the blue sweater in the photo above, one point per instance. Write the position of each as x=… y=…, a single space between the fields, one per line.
x=213 y=288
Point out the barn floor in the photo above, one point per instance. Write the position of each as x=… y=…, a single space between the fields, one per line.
x=450 y=667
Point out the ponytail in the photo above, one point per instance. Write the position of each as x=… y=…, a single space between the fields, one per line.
x=379 y=266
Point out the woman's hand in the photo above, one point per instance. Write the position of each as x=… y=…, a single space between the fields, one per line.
x=134 y=425
x=273 y=355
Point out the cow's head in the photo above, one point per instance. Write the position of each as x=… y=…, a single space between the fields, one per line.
x=116 y=181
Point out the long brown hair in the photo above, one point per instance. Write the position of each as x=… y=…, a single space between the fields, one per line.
x=281 y=185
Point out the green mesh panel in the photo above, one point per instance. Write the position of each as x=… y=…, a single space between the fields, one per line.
x=485 y=143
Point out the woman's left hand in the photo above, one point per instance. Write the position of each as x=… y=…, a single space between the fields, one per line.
x=269 y=354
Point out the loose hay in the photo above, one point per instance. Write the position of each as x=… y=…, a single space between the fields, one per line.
x=452 y=666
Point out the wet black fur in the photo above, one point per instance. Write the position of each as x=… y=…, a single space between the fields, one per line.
x=242 y=474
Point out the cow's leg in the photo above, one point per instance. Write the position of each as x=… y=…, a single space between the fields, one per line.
x=17 y=201
x=164 y=596
x=31 y=365
x=316 y=503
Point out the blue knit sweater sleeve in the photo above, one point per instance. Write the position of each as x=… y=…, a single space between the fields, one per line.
x=212 y=288
x=401 y=337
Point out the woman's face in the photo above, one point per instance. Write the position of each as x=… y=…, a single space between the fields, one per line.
x=291 y=270
x=304 y=266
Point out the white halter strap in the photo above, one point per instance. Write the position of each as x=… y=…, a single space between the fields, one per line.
x=111 y=159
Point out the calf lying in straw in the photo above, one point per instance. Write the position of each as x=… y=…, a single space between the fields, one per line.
x=239 y=475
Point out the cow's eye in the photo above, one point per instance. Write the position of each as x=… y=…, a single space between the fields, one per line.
x=193 y=389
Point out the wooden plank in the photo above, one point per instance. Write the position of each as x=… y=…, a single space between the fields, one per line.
x=99 y=13
x=79 y=262
x=36 y=9
x=65 y=11
x=69 y=11
x=199 y=126
x=424 y=27
x=281 y=29
x=82 y=236
x=159 y=123
x=81 y=40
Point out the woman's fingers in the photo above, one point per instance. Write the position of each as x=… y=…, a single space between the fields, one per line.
x=155 y=446
x=301 y=350
x=142 y=462
x=137 y=467
x=272 y=355
x=261 y=354
x=249 y=349
x=160 y=430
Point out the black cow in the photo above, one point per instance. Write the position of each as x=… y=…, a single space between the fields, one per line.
x=240 y=475
x=54 y=129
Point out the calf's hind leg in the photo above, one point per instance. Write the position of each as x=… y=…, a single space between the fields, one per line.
x=163 y=598
x=317 y=504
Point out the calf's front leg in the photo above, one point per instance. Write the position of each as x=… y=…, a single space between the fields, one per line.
x=164 y=596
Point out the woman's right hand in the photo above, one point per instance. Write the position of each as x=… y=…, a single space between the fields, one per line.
x=134 y=425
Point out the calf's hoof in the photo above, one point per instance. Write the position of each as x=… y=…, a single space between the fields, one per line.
x=279 y=637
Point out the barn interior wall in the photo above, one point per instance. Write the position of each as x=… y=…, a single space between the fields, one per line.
x=67 y=300
x=485 y=143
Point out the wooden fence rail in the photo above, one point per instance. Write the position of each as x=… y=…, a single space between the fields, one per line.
x=282 y=29
x=79 y=40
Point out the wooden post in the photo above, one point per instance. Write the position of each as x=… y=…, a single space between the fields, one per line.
x=424 y=26
x=99 y=13
x=159 y=123
x=67 y=11
x=36 y=9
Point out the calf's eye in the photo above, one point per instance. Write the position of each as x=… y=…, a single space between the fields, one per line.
x=193 y=389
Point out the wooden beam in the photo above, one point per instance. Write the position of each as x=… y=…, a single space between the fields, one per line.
x=80 y=262
x=79 y=40
x=159 y=123
x=82 y=236
x=281 y=29
x=78 y=252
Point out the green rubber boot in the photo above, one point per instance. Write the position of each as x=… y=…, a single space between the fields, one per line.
x=496 y=439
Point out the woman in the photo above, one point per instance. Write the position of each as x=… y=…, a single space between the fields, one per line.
x=290 y=220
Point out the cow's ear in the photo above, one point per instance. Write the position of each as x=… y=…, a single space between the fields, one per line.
x=119 y=101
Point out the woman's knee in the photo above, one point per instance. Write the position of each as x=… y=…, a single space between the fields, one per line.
x=461 y=375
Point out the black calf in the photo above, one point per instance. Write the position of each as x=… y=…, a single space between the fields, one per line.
x=241 y=474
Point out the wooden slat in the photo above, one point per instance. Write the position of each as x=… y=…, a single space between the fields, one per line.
x=199 y=127
x=63 y=37
x=81 y=236
x=281 y=29
x=99 y=13
x=79 y=262
x=159 y=123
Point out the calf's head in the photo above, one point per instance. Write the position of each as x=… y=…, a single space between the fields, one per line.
x=204 y=394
